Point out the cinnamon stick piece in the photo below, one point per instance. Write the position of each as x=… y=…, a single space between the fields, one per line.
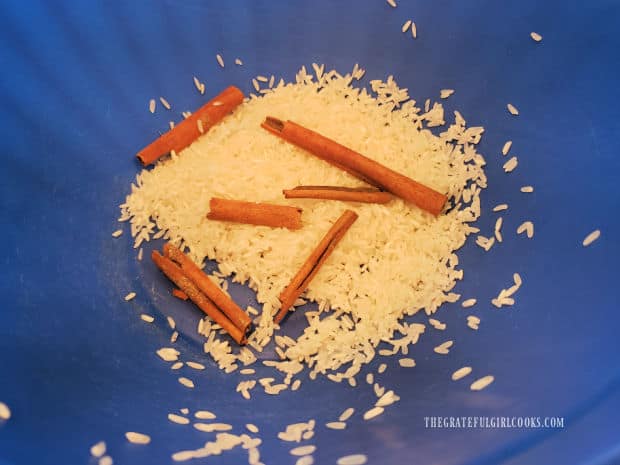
x=224 y=303
x=265 y=214
x=357 y=164
x=311 y=266
x=179 y=294
x=187 y=131
x=348 y=194
x=176 y=275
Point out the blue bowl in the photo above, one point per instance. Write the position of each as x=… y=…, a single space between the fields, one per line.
x=77 y=364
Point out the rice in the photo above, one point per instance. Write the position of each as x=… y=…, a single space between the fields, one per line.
x=130 y=296
x=171 y=322
x=256 y=85
x=336 y=425
x=473 y=322
x=117 y=233
x=251 y=428
x=303 y=450
x=481 y=383
x=437 y=324
x=506 y=147
x=468 y=303
x=344 y=416
x=238 y=62
x=296 y=384
x=307 y=460
x=186 y=382
x=461 y=373
x=445 y=93
x=355 y=459
x=512 y=109
x=262 y=78
x=500 y=207
x=406 y=362
x=406 y=26
x=373 y=412
x=5 y=412
x=247 y=371
x=174 y=336
x=168 y=354
x=392 y=3
x=444 y=348
x=505 y=295
x=535 y=36
x=382 y=368
x=152 y=105
x=207 y=415
x=369 y=302
x=177 y=366
x=414 y=32
x=106 y=460
x=97 y=450
x=184 y=411
x=140 y=252
x=147 y=318
x=594 y=235
x=211 y=427
x=201 y=129
x=220 y=60
x=526 y=227
x=137 y=438
x=498 y=228
x=195 y=365
x=527 y=189
x=165 y=103
x=511 y=164
x=174 y=418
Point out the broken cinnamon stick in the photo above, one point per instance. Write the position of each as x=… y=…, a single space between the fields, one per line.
x=264 y=214
x=176 y=275
x=224 y=303
x=179 y=294
x=357 y=164
x=348 y=194
x=313 y=263
x=187 y=131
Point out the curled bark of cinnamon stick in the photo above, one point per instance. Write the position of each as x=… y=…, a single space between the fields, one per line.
x=224 y=303
x=263 y=214
x=358 y=165
x=348 y=194
x=176 y=275
x=187 y=131
x=311 y=266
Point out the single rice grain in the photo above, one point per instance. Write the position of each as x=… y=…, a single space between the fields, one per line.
x=137 y=438
x=461 y=373
x=481 y=383
x=594 y=235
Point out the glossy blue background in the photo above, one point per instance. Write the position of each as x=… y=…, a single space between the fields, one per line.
x=76 y=363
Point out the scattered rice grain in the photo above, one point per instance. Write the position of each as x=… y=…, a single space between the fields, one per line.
x=152 y=105
x=461 y=373
x=468 y=303
x=527 y=189
x=481 y=383
x=373 y=412
x=506 y=147
x=137 y=438
x=594 y=235
x=186 y=382
x=355 y=459
x=303 y=450
x=130 y=296
x=220 y=60
x=535 y=36
x=97 y=450
x=117 y=233
x=174 y=418
x=165 y=103
x=406 y=362
x=406 y=25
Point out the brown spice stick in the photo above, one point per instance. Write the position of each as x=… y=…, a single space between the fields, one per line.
x=179 y=294
x=311 y=266
x=265 y=214
x=186 y=132
x=224 y=303
x=176 y=275
x=348 y=194
x=358 y=165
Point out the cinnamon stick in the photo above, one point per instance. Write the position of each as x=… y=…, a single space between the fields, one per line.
x=176 y=275
x=224 y=303
x=357 y=164
x=311 y=266
x=348 y=194
x=265 y=214
x=187 y=131
x=179 y=294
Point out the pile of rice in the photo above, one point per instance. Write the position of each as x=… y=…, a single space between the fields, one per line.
x=395 y=260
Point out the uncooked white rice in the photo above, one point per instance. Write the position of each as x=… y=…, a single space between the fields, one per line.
x=373 y=412
x=437 y=324
x=406 y=26
x=201 y=128
x=307 y=460
x=336 y=425
x=261 y=78
x=355 y=459
x=406 y=362
x=137 y=438
x=257 y=256
x=392 y=3
x=461 y=373
x=481 y=383
x=106 y=460
x=177 y=366
x=220 y=60
x=174 y=418
x=344 y=416
x=414 y=32
x=444 y=348
x=168 y=354
x=468 y=303
x=97 y=450
x=382 y=368
x=117 y=233
x=445 y=93
x=238 y=62
x=473 y=321
x=526 y=227
x=247 y=371
x=152 y=105
x=184 y=411
x=207 y=415
x=130 y=296
x=303 y=450
x=186 y=382
x=511 y=164
x=370 y=378
x=211 y=427
x=506 y=147
x=140 y=252
x=174 y=336
x=195 y=365
x=500 y=207
x=535 y=36
x=296 y=384
x=594 y=235
x=527 y=189
x=252 y=428
x=512 y=109
x=147 y=318
x=171 y=322
x=165 y=103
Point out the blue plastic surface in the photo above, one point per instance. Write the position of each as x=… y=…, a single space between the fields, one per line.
x=76 y=363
